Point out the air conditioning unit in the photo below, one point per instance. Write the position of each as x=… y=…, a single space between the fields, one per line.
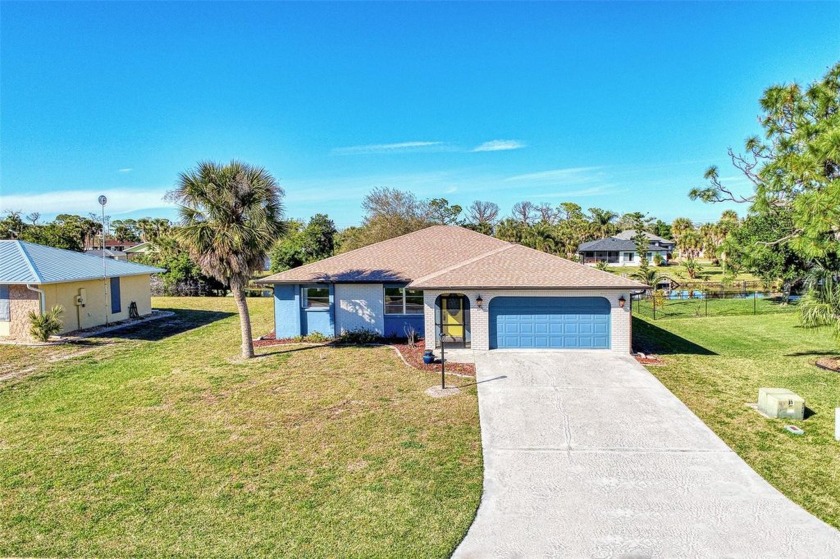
x=781 y=403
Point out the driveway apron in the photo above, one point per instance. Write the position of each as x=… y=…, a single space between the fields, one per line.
x=586 y=454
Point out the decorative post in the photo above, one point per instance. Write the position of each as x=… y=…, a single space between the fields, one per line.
x=837 y=424
x=442 y=359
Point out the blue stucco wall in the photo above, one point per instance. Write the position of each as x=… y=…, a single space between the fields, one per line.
x=287 y=311
x=290 y=320
x=395 y=324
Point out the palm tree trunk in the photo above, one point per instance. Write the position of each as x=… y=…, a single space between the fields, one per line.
x=244 y=319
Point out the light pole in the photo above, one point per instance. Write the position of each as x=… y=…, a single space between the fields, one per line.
x=102 y=201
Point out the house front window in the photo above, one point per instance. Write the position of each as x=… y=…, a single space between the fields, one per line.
x=315 y=298
x=628 y=256
x=399 y=300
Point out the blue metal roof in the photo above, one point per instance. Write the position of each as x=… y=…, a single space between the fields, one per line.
x=22 y=262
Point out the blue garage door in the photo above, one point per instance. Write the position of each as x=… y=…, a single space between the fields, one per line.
x=550 y=322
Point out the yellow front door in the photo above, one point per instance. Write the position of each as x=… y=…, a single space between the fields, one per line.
x=453 y=317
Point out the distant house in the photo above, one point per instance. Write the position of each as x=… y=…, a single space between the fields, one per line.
x=92 y=290
x=456 y=287
x=113 y=244
x=138 y=249
x=620 y=249
x=108 y=253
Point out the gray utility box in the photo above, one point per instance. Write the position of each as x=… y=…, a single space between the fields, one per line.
x=781 y=403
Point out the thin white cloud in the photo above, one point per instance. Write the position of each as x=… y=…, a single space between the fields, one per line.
x=602 y=190
x=125 y=170
x=571 y=174
x=84 y=201
x=499 y=145
x=398 y=147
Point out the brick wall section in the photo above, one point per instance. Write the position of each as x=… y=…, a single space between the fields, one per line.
x=620 y=320
x=359 y=306
x=21 y=301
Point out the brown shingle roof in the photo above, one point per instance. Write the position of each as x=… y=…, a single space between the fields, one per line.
x=400 y=259
x=522 y=267
x=447 y=257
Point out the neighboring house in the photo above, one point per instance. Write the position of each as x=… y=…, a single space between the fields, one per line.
x=112 y=254
x=121 y=246
x=458 y=286
x=93 y=291
x=138 y=250
x=620 y=249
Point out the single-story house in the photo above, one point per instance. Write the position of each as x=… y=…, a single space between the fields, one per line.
x=92 y=290
x=138 y=250
x=620 y=249
x=108 y=253
x=458 y=287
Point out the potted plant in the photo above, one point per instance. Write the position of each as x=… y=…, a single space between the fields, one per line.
x=428 y=357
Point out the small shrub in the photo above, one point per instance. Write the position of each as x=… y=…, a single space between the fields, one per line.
x=42 y=326
x=658 y=298
x=657 y=259
x=692 y=268
x=360 y=336
x=315 y=338
x=602 y=265
x=410 y=335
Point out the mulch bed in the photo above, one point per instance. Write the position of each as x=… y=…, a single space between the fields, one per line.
x=412 y=355
x=648 y=359
x=829 y=363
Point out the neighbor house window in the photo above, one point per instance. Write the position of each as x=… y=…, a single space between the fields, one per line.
x=399 y=300
x=116 y=304
x=628 y=256
x=5 y=315
x=315 y=297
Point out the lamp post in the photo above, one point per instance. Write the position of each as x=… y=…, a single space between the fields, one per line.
x=102 y=201
x=442 y=359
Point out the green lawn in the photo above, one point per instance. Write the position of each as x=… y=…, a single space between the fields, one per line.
x=717 y=364
x=687 y=308
x=162 y=442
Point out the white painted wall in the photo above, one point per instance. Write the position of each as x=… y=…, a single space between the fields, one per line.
x=620 y=319
x=359 y=306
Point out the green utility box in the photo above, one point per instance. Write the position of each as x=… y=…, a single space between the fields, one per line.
x=781 y=403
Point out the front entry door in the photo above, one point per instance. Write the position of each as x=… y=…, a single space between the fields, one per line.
x=452 y=311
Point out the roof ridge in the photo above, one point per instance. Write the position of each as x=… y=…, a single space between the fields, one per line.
x=319 y=263
x=464 y=263
x=26 y=258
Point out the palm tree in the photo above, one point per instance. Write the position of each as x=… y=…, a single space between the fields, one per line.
x=602 y=222
x=231 y=215
x=541 y=237
x=821 y=304
x=651 y=277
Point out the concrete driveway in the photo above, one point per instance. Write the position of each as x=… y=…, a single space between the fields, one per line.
x=588 y=455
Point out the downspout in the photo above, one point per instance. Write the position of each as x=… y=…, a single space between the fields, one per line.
x=42 y=299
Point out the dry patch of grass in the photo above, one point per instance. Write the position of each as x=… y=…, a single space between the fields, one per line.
x=161 y=444
x=716 y=365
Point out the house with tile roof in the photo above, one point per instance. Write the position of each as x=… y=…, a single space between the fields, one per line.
x=620 y=249
x=456 y=287
x=92 y=290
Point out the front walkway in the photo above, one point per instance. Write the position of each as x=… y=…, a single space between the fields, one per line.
x=586 y=454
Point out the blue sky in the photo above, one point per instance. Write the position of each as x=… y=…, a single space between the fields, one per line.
x=614 y=105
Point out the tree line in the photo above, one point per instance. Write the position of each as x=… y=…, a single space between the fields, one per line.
x=231 y=216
